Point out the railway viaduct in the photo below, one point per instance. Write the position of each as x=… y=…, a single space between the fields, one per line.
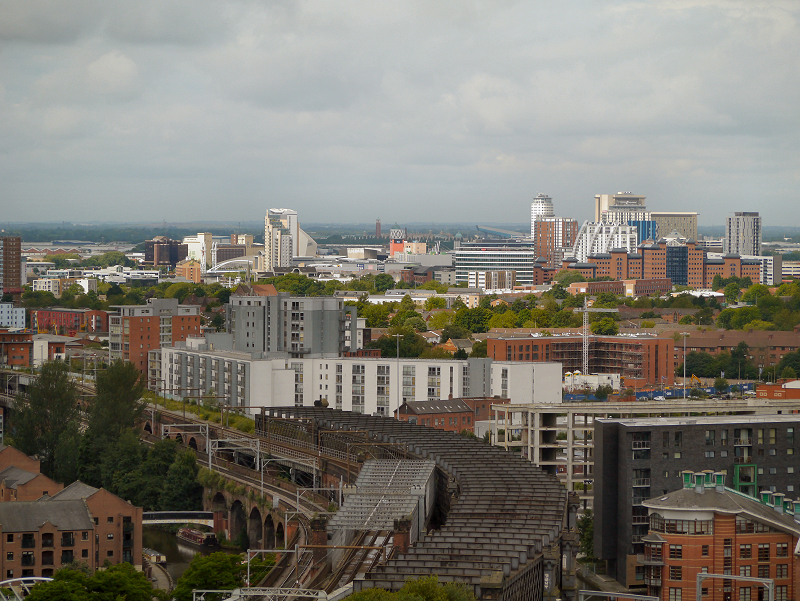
x=500 y=524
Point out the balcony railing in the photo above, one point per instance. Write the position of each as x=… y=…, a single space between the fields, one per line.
x=640 y=482
x=47 y=560
x=28 y=543
x=743 y=442
x=127 y=544
x=28 y=560
x=640 y=444
x=127 y=526
x=47 y=542
x=743 y=460
x=67 y=558
x=67 y=542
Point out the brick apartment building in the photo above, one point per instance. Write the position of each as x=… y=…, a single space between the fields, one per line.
x=640 y=360
x=163 y=251
x=44 y=526
x=69 y=321
x=639 y=459
x=766 y=348
x=27 y=349
x=452 y=415
x=137 y=329
x=10 y=265
x=686 y=265
x=706 y=527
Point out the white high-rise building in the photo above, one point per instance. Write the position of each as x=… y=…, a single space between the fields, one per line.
x=743 y=234
x=281 y=238
x=541 y=208
x=602 y=237
x=621 y=201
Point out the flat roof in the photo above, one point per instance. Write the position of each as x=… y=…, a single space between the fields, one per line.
x=703 y=419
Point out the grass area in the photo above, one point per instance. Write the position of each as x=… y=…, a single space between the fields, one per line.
x=234 y=420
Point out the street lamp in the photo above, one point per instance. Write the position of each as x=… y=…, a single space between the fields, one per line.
x=684 y=334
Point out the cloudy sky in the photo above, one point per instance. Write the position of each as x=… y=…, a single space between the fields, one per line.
x=436 y=110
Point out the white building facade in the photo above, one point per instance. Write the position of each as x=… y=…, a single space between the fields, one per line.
x=360 y=384
x=743 y=234
x=594 y=238
x=11 y=316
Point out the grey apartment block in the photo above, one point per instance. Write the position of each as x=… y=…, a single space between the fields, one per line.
x=283 y=324
x=638 y=459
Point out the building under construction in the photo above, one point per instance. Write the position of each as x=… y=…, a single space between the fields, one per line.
x=641 y=360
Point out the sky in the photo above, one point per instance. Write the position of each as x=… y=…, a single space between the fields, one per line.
x=423 y=111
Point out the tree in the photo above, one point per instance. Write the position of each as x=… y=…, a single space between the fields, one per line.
x=731 y=292
x=455 y=332
x=788 y=373
x=720 y=385
x=605 y=327
x=565 y=277
x=440 y=320
x=585 y=526
x=383 y=282
x=435 y=302
x=603 y=391
x=118 y=405
x=479 y=349
x=48 y=417
x=221 y=571
x=117 y=582
x=181 y=491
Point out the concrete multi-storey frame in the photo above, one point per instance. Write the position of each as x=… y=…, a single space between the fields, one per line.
x=638 y=459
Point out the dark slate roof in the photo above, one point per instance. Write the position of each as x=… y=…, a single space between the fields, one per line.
x=727 y=501
x=438 y=406
x=601 y=255
x=731 y=256
x=28 y=516
x=635 y=256
x=504 y=511
x=76 y=490
x=584 y=266
x=15 y=476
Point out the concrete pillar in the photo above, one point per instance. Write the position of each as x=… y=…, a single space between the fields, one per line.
x=319 y=536
x=402 y=534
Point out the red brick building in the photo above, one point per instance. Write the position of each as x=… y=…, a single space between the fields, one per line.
x=453 y=415
x=706 y=527
x=68 y=321
x=10 y=265
x=137 y=329
x=17 y=348
x=640 y=360
x=766 y=348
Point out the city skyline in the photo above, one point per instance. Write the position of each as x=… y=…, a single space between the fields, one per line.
x=416 y=112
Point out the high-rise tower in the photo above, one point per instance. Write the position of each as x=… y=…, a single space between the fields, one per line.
x=743 y=234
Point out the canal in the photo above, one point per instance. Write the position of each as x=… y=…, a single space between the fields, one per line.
x=178 y=553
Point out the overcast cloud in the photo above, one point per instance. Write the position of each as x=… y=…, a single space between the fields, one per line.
x=435 y=110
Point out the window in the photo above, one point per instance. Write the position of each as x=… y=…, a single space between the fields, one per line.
x=110 y=520
x=674 y=594
x=84 y=536
x=790 y=451
x=710 y=435
x=677 y=454
x=781 y=592
x=675 y=552
x=782 y=550
x=744 y=593
x=111 y=537
x=773 y=471
x=10 y=556
x=704 y=551
x=9 y=538
x=773 y=452
x=675 y=572
x=763 y=571
x=763 y=552
x=709 y=454
x=745 y=552
x=781 y=570
x=678 y=439
x=111 y=553
x=723 y=453
x=84 y=552
x=789 y=435
x=744 y=571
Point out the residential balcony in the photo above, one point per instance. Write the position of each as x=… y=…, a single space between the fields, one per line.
x=640 y=482
x=741 y=460
x=640 y=445
x=743 y=442
x=28 y=560
x=67 y=542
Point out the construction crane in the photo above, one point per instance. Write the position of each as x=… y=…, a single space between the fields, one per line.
x=586 y=310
